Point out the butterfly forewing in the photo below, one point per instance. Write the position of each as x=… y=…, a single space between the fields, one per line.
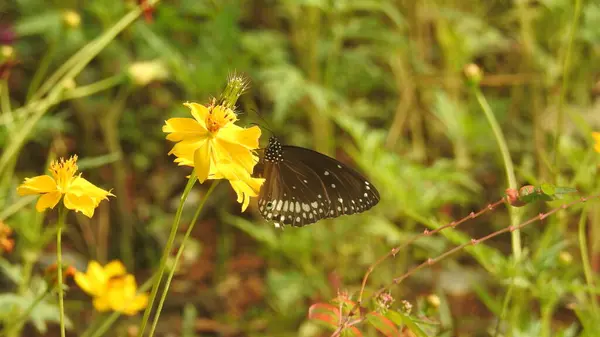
x=303 y=186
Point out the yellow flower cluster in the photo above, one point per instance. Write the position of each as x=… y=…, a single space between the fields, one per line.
x=217 y=148
x=111 y=288
x=79 y=194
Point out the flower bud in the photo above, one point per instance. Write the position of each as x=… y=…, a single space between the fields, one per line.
x=145 y=72
x=236 y=85
x=474 y=73
x=71 y=18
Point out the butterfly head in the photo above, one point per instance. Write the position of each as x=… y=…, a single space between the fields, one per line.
x=274 y=152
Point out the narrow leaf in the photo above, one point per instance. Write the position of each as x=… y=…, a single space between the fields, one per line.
x=325 y=313
x=383 y=324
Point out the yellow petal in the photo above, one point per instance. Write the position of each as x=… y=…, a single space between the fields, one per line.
x=114 y=268
x=82 y=281
x=237 y=135
x=81 y=187
x=48 y=200
x=102 y=303
x=596 y=136
x=37 y=185
x=93 y=281
x=83 y=204
x=184 y=151
x=138 y=303
x=179 y=129
x=199 y=111
x=235 y=153
x=202 y=161
x=246 y=188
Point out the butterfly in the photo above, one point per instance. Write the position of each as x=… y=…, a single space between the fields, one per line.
x=303 y=186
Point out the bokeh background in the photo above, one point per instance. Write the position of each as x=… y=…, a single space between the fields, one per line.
x=380 y=85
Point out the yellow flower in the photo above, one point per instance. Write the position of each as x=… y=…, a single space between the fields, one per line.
x=79 y=194
x=111 y=287
x=596 y=136
x=96 y=278
x=121 y=296
x=216 y=147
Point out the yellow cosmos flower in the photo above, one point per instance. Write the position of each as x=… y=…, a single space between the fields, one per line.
x=111 y=288
x=79 y=194
x=217 y=148
x=210 y=138
x=596 y=136
x=96 y=278
x=121 y=296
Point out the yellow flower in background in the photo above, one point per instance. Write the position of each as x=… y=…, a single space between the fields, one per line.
x=210 y=138
x=79 y=194
x=596 y=136
x=95 y=280
x=121 y=296
x=111 y=288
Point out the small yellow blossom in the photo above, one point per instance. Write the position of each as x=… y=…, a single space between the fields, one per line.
x=95 y=280
x=111 y=288
x=72 y=18
x=216 y=147
x=79 y=194
x=596 y=136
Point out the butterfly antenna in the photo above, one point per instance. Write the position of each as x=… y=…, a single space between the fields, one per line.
x=266 y=126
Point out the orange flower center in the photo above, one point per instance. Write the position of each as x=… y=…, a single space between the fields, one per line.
x=218 y=117
x=63 y=171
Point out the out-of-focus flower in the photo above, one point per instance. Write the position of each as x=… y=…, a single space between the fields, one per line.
x=216 y=147
x=7 y=35
x=474 y=73
x=79 y=194
x=6 y=242
x=95 y=280
x=147 y=9
x=7 y=52
x=145 y=72
x=71 y=18
x=51 y=276
x=121 y=296
x=111 y=288
x=596 y=136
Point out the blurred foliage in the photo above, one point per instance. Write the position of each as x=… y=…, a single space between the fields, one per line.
x=377 y=83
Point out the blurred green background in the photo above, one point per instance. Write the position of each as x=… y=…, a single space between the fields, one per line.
x=379 y=84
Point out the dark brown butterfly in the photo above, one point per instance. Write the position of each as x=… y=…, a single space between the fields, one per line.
x=303 y=186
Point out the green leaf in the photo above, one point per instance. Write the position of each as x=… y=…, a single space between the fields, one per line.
x=383 y=324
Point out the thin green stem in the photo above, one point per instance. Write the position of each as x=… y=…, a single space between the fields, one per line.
x=565 y=79
x=166 y=252
x=179 y=252
x=585 y=260
x=62 y=211
x=508 y=167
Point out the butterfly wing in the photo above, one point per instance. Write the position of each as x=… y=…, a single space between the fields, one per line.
x=306 y=186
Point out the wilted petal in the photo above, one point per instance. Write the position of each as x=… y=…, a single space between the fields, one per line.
x=48 y=200
x=37 y=185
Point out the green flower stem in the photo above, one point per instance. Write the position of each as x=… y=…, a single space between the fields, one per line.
x=167 y=250
x=585 y=261
x=62 y=211
x=179 y=252
x=508 y=167
x=565 y=77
